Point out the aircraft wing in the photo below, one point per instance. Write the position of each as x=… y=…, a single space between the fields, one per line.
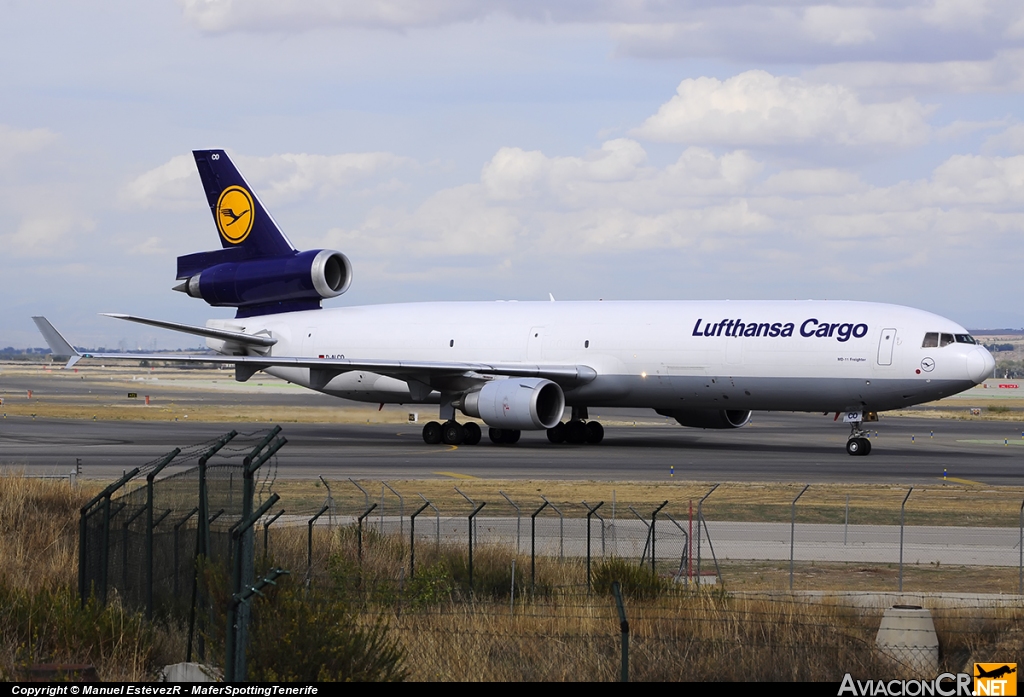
x=323 y=370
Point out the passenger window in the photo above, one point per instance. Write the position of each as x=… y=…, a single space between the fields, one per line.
x=931 y=340
x=945 y=340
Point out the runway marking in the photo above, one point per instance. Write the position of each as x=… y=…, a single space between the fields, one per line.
x=986 y=441
x=962 y=481
x=455 y=475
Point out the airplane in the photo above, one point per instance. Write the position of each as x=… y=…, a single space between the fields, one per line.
x=518 y=365
x=995 y=672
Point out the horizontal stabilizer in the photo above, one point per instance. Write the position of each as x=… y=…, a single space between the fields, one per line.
x=222 y=334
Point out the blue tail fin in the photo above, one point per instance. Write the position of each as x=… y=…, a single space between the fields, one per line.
x=246 y=229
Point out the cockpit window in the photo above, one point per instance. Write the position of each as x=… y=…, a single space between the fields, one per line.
x=937 y=340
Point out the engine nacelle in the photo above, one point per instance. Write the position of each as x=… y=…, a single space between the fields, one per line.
x=709 y=418
x=300 y=281
x=526 y=404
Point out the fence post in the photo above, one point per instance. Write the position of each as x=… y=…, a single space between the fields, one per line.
x=654 y=515
x=561 y=529
x=202 y=549
x=684 y=560
x=792 y=533
x=359 y=528
x=401 y=509
x=309 y=541
x=533 y=547
x=177 y=528
x=437 y=518
x=330 y=502
x=624 y=630
x=412 y=540
x=245 y=545
x=236 y=637
x=83 y=530
x=266 y=532
x=150 y=525
x=700 y=518
x=590 y=512
x=463 y=495
x=124 y=548
x=472 y=520
x=903 y=507
x=519 y=515
x=1020 y=548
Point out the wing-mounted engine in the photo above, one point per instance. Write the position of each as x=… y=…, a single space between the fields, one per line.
x=275 y=284
x=528 y=404
x=709 y=418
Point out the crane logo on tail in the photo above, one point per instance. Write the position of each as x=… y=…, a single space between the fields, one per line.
x=234 y=214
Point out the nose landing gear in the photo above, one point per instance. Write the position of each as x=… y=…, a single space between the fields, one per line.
x=858 y=444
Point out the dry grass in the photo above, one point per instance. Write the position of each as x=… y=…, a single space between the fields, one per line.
x=41 y=619
x=38 y=531
x=446 y=633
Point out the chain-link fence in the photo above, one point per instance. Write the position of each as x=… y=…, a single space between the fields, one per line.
x=818 y=537
x=478 y=584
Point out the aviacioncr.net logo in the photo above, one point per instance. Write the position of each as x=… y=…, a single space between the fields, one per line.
x=234 y=214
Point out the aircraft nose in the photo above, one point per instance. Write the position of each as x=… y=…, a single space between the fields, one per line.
x=980 y=364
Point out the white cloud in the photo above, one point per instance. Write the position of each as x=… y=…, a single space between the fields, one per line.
x=173 y=185
x=277 y=179
x=19 y=142
x=52 y=234
x=1002 y=71
x=289 y=177
x=839 y=26
x=1010 y=140
x=278 y=15
x=729 y=209
x=756 y=108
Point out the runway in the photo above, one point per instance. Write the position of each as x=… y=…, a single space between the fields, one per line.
x=774 y=447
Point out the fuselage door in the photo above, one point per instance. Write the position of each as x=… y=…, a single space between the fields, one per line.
x=885 y=346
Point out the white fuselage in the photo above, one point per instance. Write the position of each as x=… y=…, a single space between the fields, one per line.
x=757 y=355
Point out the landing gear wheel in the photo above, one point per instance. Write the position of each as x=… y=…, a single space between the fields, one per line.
x=472 y=433
x=576 y=432
x=452 y=433
x=556 y=434
x=432 y=433
x=504 y=436
x=595 y=432
x=858 y=446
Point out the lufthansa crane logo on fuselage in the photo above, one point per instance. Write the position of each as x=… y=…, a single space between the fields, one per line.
x=234 y=214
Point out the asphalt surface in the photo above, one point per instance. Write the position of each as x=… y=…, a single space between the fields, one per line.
x=774 y=447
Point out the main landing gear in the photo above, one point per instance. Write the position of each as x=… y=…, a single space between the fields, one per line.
x=452 y=433
x=577 y=432
x=858 y=444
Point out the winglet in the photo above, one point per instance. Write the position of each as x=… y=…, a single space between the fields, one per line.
x=59 y=346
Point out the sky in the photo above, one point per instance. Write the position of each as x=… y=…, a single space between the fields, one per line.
x=508 y=149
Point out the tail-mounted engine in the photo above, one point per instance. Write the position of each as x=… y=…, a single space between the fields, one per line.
x=275 y=284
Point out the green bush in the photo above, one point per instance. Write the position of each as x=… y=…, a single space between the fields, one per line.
x=636 y=581
x=308 y=635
